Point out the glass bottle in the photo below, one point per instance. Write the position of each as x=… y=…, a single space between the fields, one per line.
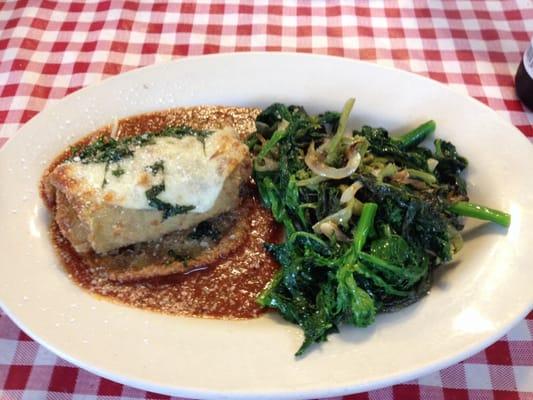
x=524 y=78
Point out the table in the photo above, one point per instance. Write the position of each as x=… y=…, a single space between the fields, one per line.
x=51 y=48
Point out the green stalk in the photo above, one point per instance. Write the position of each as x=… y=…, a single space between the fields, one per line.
x=384 y=265
x=314 y=180
x=417 y=135
x=481 y=212
x=310 y=237
x=423 y=176
x=438 y=149
x=366 y=222
x=280 y=133
x=388 y=288
x=334 y=144
x=264 y=297
x=388 y=170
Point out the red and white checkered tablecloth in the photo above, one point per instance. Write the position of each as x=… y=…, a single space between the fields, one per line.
x=51 y=48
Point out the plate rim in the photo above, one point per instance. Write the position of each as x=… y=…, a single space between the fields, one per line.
x=208 y=394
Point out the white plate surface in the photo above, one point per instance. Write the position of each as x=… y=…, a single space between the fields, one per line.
x=473 y=302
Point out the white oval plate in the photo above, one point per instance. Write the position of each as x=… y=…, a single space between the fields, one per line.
x=474 y=301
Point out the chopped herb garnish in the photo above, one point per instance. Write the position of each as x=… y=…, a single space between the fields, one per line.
x=104 y=182
x=205 y=229
x=118 y=172
x=182 y=131
x=168 y=209
x=110 y=150
x=156 y=167
x=74 y=150
x=173 y=256
x=141 y=140
x=104 y=149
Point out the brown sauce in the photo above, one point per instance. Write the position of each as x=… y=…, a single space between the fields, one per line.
x=228 y=287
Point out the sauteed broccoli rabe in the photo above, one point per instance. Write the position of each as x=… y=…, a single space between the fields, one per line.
x=367 y=217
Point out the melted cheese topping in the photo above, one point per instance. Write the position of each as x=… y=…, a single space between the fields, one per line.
x=192 y=174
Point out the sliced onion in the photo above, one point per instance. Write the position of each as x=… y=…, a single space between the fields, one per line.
x=261 y=138
x=417 y=184
x=375 y=171
x=329 y=229
x=401 y=176
x=341 y=217
x=323 y=146
x=455 y=238
x=317 y=165
x=267 y=164
x=349 y=193
x=432 y=164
